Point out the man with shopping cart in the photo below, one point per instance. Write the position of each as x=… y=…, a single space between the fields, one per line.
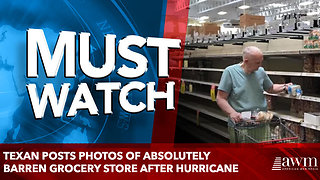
x=242 y=85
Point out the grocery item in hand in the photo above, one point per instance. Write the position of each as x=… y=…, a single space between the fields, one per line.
x=294 y=90
x=246 y=115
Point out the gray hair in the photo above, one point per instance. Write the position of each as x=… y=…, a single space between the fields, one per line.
x=250 y=50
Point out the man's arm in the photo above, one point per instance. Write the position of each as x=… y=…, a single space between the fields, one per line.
x=222 y=101
x=278 y=88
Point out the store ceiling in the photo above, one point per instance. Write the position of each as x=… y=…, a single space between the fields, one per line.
x=207 y=10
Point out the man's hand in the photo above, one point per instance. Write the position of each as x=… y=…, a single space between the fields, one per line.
x=222 y=101
x=235 y=117
x=278 y=88
x=287 y=85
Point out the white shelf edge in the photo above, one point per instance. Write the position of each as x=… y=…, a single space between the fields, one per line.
x=277 y=73
x=198 y=95
x=204 y=111
x=284 y=116
x=199 y=82
x=310 y=126
x=266 y=53
x=310 y=51
x=222 y=55
x=203 y=69
x=288 y=117
x=283 y=52
x=284 y=73
x=208 y=127
x=305 y=98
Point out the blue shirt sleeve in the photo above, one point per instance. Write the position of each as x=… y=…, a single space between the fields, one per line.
x=267 y=83
x=225 y=83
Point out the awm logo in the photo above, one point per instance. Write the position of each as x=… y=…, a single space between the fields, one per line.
x=295 y=163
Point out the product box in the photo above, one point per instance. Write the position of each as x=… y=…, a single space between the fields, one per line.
x=192 y=29
x=312 y=118
x=205 y=29
x=210 y=28
x=251 y=20
x=285 y=44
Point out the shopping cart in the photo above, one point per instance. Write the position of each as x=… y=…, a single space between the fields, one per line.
x=274 y=131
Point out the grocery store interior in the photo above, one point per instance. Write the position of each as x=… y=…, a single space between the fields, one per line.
x=287 y=32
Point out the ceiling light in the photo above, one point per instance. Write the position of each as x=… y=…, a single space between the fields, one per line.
x=288 y=10
x=277 y=5
x=222 y=13
x=202 y=21
x=203 y=18
x=306 y=3
x=244 y=7
x=220 y=20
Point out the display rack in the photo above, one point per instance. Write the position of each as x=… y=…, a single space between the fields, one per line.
x=201 y=84
x=276 y=73
x=195 y=118
x=266 y=53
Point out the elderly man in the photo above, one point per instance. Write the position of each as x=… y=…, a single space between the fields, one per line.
x=242 y=85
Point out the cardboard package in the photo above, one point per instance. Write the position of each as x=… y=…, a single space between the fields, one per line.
x=285 y=44
x=251 y=20
x=192 y=29
x=210 y=28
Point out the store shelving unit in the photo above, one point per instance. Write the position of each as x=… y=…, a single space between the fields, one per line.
x=205 y=110
x=199 y=82
x=276 y=73
x=197 y=114
x=200 y=76
x=266 y=53
x=314 y=98
x=200 y=95
x=282 y=114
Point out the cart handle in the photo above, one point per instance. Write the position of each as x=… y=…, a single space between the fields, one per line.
x=277 y=140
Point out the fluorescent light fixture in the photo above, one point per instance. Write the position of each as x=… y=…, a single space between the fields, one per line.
x=221 y=13
x=220 y=20
x=287 y=10
x=202 y=21
x=277 y=5
x=306 y=3
x=203 y=18
x=244 y=7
